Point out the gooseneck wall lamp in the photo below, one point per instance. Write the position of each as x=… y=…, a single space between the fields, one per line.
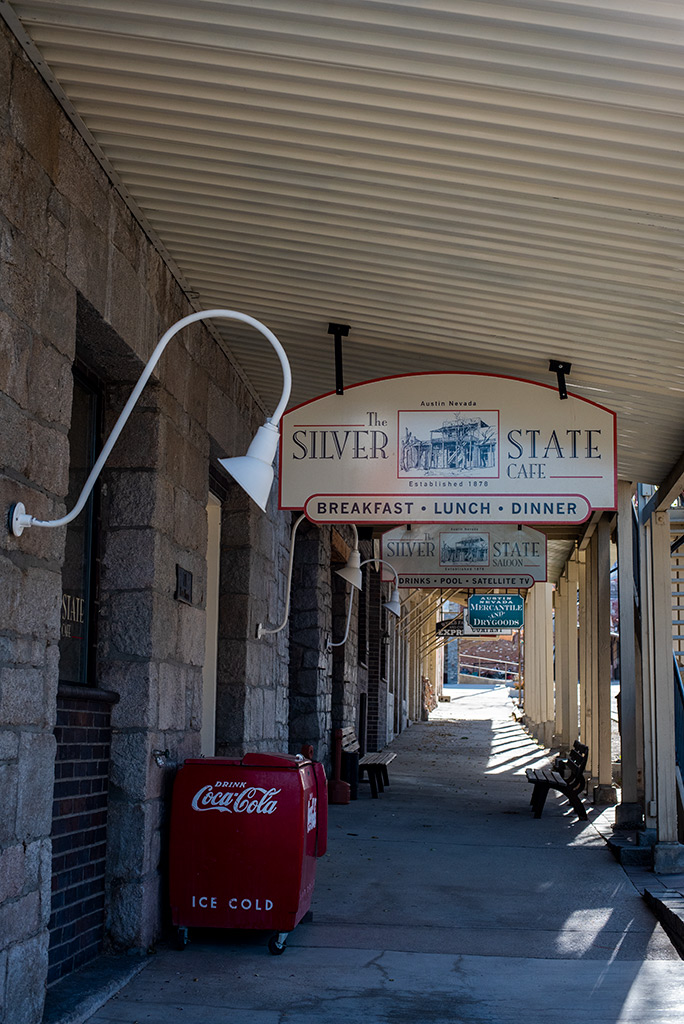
x=350 y=572
x=393 y=605
x=253 y=471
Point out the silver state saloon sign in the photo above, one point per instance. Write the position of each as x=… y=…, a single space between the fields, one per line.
x=448 y=447
x=446 y=555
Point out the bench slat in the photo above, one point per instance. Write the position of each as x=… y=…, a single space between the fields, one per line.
x=379 y=757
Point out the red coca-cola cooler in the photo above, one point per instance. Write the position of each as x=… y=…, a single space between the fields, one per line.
x=245 y=835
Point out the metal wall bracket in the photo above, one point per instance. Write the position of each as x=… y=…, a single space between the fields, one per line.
x=339 y=331
x=560 y=369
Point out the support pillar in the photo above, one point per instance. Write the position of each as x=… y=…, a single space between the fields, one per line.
x=562 y=736
x=605 y=791
x=629 y=812
x=647 y=671
x=539 y=694
x=584 y=649
x=546 y=638
x=573 y=653
x=668 y=853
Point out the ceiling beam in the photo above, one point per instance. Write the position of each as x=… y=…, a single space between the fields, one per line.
x=588 y=531
x=670 y=488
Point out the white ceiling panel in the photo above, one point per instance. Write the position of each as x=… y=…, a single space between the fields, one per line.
x=471 y=185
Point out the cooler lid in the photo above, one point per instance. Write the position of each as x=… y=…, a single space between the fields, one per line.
x=273 y=760
x=211 y=760
x=254 y=760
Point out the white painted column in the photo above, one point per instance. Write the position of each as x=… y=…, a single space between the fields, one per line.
x=539 y=662
x=605 y=792
x=561 y=727
x=546 y=595
x=531 y=709
x=584 y=649
x=573 y=651
x=588 y=613
x=647 y=672
x=669 y=854
x=629 y=812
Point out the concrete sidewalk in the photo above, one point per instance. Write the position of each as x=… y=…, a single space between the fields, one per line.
x=442 y=901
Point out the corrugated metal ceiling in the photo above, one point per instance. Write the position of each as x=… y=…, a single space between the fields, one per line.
x=471 y=185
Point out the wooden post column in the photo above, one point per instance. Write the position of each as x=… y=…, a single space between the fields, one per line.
x=562 y=737
x=629 y=812
x=668 y=853
x=605 y=791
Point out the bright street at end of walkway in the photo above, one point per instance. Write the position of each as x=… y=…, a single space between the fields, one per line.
x=443 y=901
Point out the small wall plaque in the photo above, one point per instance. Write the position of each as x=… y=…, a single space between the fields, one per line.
x=183 y=585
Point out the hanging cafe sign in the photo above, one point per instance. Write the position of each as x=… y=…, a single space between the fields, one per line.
x=465 y=556
x=448 y=447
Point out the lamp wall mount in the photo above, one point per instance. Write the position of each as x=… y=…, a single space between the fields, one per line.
x=259 y=455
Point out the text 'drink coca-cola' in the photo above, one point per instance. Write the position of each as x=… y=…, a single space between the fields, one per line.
x=251 y=800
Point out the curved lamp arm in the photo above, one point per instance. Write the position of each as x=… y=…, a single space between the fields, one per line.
x=393 y=605
x=350 y=572
x=260 y=631
x=20 y=520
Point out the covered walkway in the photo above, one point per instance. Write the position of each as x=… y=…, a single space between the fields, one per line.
x=442 y=901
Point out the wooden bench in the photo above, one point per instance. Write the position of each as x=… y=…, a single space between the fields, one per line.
x=567 y=777
x=375 y=766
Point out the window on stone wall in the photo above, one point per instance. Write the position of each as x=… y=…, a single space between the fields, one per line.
x=78 y=617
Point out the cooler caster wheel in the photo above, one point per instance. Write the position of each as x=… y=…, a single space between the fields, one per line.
x=276 y=944
x=181 y=938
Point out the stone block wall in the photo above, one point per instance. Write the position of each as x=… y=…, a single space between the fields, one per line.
x=377 y=654
x=252 y=675
x=81 y=277
x=310 y=626
x=350 y=674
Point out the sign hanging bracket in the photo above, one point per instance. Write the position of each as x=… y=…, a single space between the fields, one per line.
x=560 y=369
x=339 y=331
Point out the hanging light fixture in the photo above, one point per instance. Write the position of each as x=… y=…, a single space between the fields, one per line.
x=393 y=606
x=253 y=471
x=351 y=571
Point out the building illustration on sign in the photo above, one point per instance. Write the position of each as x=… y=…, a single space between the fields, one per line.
x=464 y=443
x=464 y=548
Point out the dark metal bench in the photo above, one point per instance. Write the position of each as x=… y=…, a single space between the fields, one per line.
x=567 y=777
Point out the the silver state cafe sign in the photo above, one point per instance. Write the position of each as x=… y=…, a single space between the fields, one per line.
x=448 y=447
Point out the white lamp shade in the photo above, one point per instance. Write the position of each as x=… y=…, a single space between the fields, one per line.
x=351 y=572
x=254 y=471
x=394 y=604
